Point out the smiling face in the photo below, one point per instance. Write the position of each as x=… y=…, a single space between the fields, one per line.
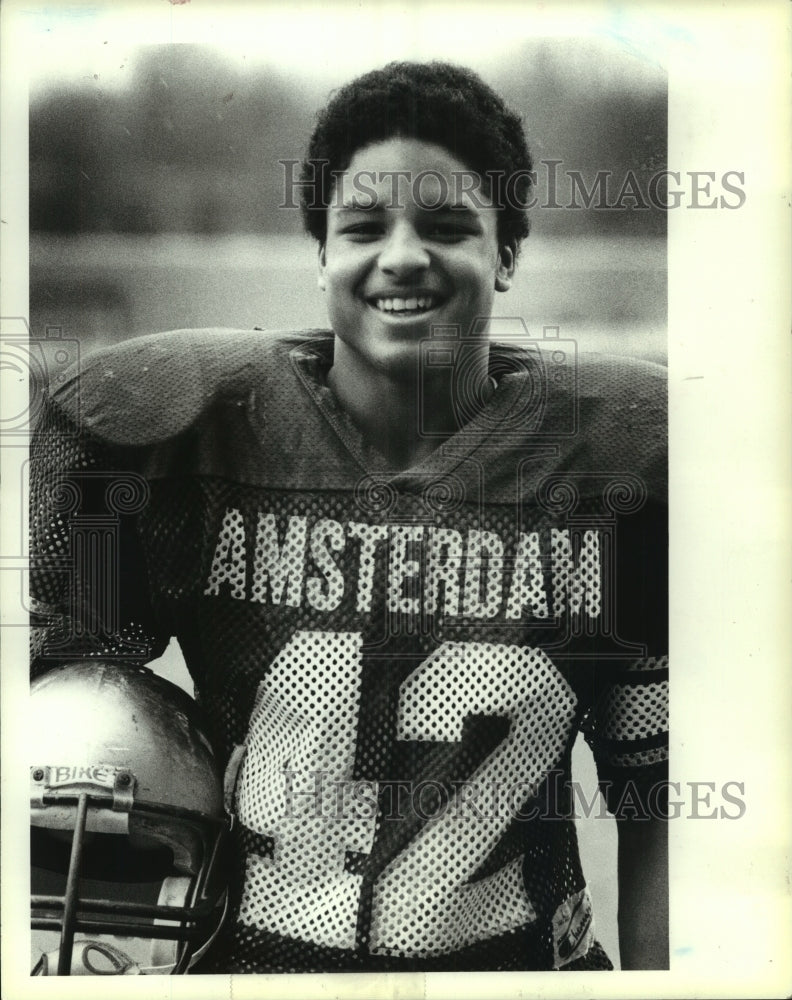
x=403 y=255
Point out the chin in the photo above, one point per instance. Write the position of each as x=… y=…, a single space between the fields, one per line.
x=401 y=361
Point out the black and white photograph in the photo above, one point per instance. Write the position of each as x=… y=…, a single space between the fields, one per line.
x=375 y=495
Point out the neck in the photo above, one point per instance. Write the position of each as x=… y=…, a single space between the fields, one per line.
x=407 y=415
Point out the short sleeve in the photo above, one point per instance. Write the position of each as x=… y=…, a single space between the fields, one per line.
x=88 y=579
x=627 y=730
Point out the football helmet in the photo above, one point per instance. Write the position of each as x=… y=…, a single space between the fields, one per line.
x=127 y=824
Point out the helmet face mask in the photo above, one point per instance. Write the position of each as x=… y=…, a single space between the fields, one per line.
x=127 y=825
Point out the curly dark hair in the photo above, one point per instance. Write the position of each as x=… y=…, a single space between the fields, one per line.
x=435 y=102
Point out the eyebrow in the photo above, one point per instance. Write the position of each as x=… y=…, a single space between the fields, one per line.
x=356 y=206
x=457 y=206
x=366 y=205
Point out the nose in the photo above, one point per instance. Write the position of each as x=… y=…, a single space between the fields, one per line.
x=404 y=251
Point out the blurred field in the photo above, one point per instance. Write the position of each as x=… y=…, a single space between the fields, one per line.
x=606 y=292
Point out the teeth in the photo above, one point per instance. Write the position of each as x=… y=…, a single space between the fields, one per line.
x=406 y=305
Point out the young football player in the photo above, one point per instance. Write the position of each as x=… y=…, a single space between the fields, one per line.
x=406 y=565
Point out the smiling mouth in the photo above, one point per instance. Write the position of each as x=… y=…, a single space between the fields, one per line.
x=413 y=306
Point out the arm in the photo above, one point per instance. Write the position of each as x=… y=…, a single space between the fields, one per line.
x=643 y=893
x=631 y=759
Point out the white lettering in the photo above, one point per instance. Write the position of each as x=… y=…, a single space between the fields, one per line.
x=326 y=595
x=228 y=565
x=403 y=571
x=572 y=582
x=284 y=566
x=527 y=586
x=483 y=597
x=444 y=563
x=370 y=536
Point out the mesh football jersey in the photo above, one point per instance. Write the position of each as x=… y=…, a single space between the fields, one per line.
x=393 y=665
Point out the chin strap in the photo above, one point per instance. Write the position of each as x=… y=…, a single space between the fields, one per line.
x=90 y=958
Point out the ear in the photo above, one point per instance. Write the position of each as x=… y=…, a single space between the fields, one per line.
x=505 y=269
x=321 y=281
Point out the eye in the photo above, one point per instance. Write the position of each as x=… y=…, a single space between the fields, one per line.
x=450 y=230
x=361 y=232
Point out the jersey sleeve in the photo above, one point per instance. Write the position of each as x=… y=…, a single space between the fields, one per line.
x=627 y=730
x=88 y=580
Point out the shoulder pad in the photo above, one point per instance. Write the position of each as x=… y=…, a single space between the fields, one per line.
x=622 y=379
x=623 y=416
x=151 y=388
